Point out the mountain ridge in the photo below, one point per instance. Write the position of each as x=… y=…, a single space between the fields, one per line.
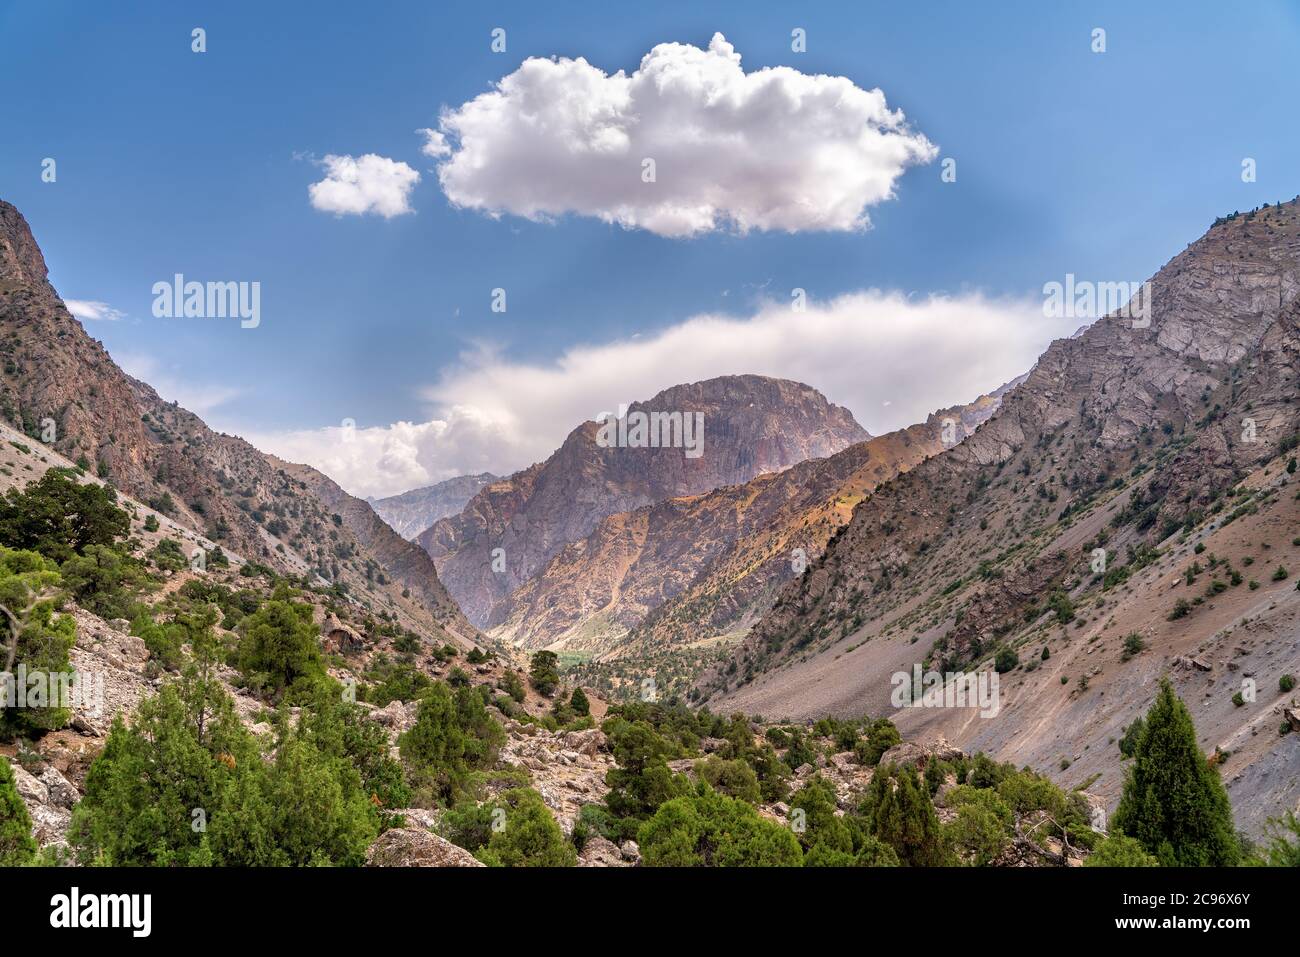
x=58 y=381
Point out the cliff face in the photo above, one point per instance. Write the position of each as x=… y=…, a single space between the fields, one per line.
x=699 y=567
x=751 y=425
x=59 y=385
x=412 y=512
x=1143 y=441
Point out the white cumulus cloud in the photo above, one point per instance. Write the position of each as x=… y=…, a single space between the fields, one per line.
x=358 y=185
x=889 y=358
x=773 y=149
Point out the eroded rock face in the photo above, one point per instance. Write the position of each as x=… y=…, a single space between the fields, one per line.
x=49 y=797
x=416 y=847
x=694 y=567
x=1126 y=438
x=1223 y=324
x=752 y=425
x=216 y=482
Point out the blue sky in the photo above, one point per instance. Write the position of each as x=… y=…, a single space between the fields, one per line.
x=1103 y=165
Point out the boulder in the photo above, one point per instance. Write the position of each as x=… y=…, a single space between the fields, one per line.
x=60 y=790
x=598 y=852
x=416 y=847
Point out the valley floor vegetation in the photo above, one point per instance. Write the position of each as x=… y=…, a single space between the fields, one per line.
x=184 y=780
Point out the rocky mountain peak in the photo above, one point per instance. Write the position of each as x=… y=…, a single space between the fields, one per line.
x=749 y=425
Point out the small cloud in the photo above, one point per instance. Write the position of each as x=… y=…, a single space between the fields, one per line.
x=357 y=185
x=435 y=144
x=91 y=310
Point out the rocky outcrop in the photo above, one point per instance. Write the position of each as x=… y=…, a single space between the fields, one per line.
x=416 y=847
x=566 y=768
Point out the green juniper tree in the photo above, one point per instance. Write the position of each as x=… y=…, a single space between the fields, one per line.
x=544 y=672
x=33 y=637
x=1173 y=803
x=899 y=813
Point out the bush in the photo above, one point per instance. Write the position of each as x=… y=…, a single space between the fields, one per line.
x=59 y=517
x=37 y=638
x=513 y=686
x=579 y=703
x=1284 y=837
x=544 y=673
x=732 y=778
x=1060 y=604
x=707 y=829
x=168 y=555
x=881 y=736
x=1133 y=645
x=1005 y=660
x=1286 y=683
x=823 y=832
x=1128 y=741
x=976 y=836
x=16 y=845
x=279 y=647
x=104 y=580
x=1119 y=850
x=898 y=812
x=530 y=837
x=642 y=781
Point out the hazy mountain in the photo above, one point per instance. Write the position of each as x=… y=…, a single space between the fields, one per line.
x=411 y=512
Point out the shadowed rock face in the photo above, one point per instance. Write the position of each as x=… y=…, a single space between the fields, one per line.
x=53 y=374
x=751 y=425
x=1121 y=438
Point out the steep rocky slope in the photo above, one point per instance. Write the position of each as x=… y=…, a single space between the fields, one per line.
x=1164 y=444
x=699 y=567
x=59 y=384
x=412 y=512
x=751 y=425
